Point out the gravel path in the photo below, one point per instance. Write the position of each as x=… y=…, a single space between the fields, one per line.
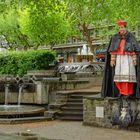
x=70 y=130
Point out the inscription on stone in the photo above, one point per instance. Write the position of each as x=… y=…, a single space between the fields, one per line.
x=99 y=112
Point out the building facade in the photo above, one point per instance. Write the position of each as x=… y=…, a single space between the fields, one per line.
x=68 y=49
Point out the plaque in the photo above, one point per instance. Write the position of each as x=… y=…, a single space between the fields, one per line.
x=99 y=112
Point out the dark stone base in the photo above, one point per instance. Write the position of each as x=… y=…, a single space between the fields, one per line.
x=99 y=112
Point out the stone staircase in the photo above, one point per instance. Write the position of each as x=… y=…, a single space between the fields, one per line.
x=73 y=109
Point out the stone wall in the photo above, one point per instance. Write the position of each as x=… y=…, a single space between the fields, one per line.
x=37 y=96
x=57 y=91
x=44 y=92
x=45 y=88
x=26 y=97
x=98 y=111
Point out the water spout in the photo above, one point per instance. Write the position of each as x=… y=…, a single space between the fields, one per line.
x=6 y=94
x=19 y=94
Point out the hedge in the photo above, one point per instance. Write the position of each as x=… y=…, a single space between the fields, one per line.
x=18 y=63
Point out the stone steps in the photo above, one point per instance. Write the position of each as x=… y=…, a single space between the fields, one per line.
x=80 y=95
x=70 y=118
x=63 y=108
x=72 y=113
x=75 y=100
x=73 y=108
x=73 y=104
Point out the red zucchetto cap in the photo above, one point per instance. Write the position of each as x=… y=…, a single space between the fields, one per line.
x=121 y=22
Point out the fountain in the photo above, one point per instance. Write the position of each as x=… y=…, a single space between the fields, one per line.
x=10 y=112
x=81 y=67
x=23 y=85
x=19 y=95
x=77 y=78
x=85 y=54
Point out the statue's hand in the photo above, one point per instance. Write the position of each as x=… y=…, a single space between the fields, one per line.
x=113 y=60
x=134 y=62
x=134 y=59
x=112 y=63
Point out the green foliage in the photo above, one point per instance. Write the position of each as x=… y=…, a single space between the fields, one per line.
x=8 y=27
x=17 y=63
x=31 y=23
x=10 y=30
x=103 y=12
x=125 y=9
x=45 y=22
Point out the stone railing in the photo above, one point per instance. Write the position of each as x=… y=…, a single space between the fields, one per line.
x=85 y=67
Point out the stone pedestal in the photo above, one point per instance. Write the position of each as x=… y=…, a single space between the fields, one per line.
x=99 y=112
x=42 y=93
x=84 y=58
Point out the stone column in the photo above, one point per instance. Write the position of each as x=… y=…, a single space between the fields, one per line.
x=42 y=92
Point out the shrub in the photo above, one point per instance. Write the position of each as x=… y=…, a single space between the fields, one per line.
x=18 y=63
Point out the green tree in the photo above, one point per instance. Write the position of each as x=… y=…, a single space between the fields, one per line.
x=125 y=9
x=9 y=25
x=96 y=13
x=33 y=23
x=27 y=23
x=45 y=21
x=86 y=14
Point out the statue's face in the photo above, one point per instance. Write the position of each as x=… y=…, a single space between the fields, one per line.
x=122 y=29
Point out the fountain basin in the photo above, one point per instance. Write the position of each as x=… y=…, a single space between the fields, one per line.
x=20 y=109
x=21 y=114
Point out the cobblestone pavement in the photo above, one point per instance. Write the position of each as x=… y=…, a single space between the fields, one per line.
x=70 y=130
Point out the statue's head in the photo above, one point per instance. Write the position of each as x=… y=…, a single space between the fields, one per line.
x=122 y=26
